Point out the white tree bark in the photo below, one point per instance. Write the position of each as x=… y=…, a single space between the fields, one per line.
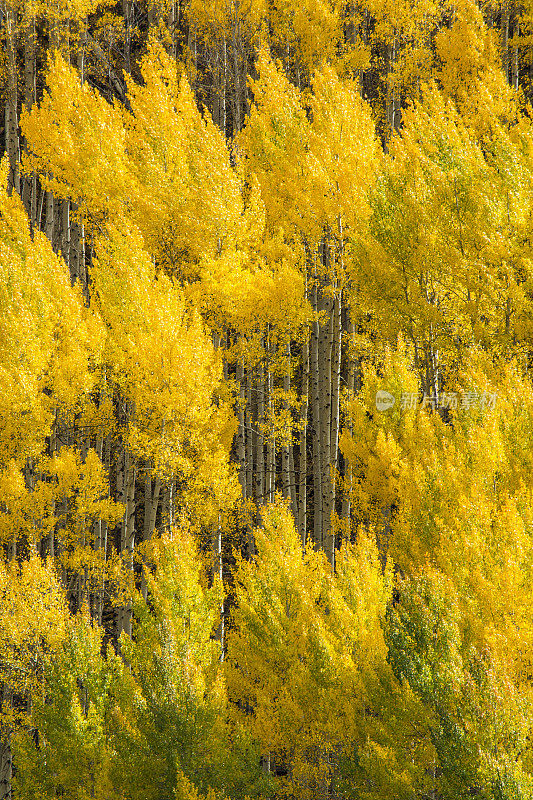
x=259 y=473
x=315 y=401
x=302 y=466
x=248 y=428
x=241 y=437
x=11 y=107
x=285 y=448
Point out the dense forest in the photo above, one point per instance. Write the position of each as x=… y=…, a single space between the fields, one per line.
x=266 y=400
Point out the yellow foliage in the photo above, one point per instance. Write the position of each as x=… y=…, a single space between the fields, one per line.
x=33 y=619
x=77 y=143
x=301 y=642
x=49 y=342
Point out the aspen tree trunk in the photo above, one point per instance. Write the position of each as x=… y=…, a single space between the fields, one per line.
x=82 y=47
x=515 y=62
x=11 y=107
x=335 y=395
x=504 y=33
x=59 y=40
x=217 y=571
x=152 y=15
x=324 y=368
x=259 y=474
x=170 y=505
x=285 y=448
x=82 y=579
x=78 y=271
x=105 y=531
x=49 y=218
x=6 y=766
x=126 y=12
x=125 y=483
x=292 y=484
x=351 y=388
x=224 y=85
x=167 y=509
x=336 y=356
x=315 y=382
x=430 y=376
x=172 y=23
x=238 y=99
x=248 y=448
x=29 y=482
x=241 y=453
x=128 y=528
x=271 y=471
x=53 y=450
x=192 y=46
x=100 y=527
x=65 y=234
x=302 y=466
x=152 y=492
x=6 y=753
x=271 y=447
x=29 y=190
x=49 y=198
x=224 y=344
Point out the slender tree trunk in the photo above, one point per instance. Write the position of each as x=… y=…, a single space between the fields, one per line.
x=152 y=492
x=126 y=12
x=224 y=82
x=325 y=363
x=218 y=571
x=285 y=448
x=100 y=527
x=29 y=190
x=336 y=384
x=350 y=389
x=49 y=219
x=241 y=436
x=128 y=528
x=302 y=467
x=259 y=474
x=504 y=37
x=125 y=483
x=249 y=449
x=11 y=107
x=238 y=98
x=172 y=22
x=65 y=234
x=515 y=70
x=6 y=753
x=6 y=767
x=315 y=382
x=271 y=446
x=292 y=483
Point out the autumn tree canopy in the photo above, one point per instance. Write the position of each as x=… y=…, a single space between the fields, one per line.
x=266 y=400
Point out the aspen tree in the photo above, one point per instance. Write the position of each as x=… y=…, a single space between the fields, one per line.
x=44 y=365
x=311 y=637
x=178 y=705
x=32 y=625
x=74 y=717
x=321 y=196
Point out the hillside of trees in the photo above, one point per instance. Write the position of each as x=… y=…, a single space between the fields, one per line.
x=266 y=400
